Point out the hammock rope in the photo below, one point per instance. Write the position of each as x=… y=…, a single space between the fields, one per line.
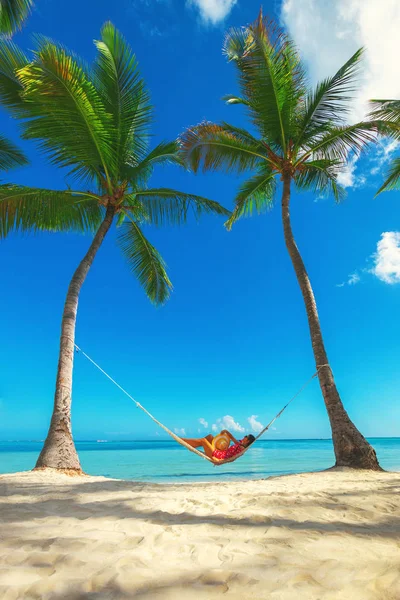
x=182 y=441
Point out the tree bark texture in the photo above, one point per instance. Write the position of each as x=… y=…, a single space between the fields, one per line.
x=59 y=450
x=351 y=448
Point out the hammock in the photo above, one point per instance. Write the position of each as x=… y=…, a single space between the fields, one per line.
x=181 y=441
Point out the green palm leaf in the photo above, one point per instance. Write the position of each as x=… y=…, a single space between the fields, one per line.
x=320 y=176
x=215 y=148
x=328 y=102
x=165 y=206
x=392 y=181
x=387 y=115
x=67 y=116
x=145 y=262
x=337 y=142
x=271 y=78
x=12 y=14
x=10 y=155
x=386 y=110
x=12 y=59
x=36 y=209
x=124 y=95
x=163 y=154
x=255 y=194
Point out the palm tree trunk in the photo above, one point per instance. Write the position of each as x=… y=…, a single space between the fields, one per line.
x=59 y=450
x=351 y=448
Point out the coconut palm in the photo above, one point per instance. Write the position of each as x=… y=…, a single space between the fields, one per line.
x=12 y=14
x=388 y=114
x=94 y=122
x=301 y=139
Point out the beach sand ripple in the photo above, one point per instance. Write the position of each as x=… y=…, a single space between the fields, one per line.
x=318 y=536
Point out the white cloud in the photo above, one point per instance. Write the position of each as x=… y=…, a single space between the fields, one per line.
x=254 y=424
x=386 y=261
x=203 y=422
x=348 y=177
x=384 y=151
x=387 y=258
x=212 y=11
x=328 y=32
x=227 y=422
x=180 y=431
x=352 y=279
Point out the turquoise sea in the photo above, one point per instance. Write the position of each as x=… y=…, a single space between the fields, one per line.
x=166 y=461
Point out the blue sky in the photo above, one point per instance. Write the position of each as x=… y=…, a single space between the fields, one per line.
x=233 y=339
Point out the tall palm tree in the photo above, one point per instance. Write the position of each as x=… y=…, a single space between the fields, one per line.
x=94 y=122
x=387 y=112
x=301 y=139
x=12 y=14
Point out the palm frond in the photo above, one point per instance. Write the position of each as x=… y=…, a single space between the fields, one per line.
x=212 y=147
x=337 y=142
x=392 y=181
x=10 y=155
x=66 y=114
x=12 y=59
x=145 y=262
x=320 y=176
x=124 y=95
x=12 y=14
x=271 y=78
x=385 y=110
x=165 y=206
x=163 y=154
x=35 y=209
x=255 y=194
x=329 y=102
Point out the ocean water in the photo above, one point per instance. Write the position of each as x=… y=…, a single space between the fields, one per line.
x=167 y=462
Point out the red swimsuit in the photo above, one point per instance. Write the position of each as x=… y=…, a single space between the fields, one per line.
x=229 y=452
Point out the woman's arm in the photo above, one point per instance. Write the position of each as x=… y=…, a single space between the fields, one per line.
x=231 y=437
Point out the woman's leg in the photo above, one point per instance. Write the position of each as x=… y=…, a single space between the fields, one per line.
x=204 y=443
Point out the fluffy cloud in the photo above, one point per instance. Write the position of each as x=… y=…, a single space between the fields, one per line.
x=212 y=11
x=328 y=33
x=254 y=424
x=227 y=422
x=180 y=431
x=386 y=261
x=203 y=422
x=348 y=176
x=387 y=258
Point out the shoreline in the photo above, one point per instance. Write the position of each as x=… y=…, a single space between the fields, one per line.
x=49 y=472
x=327 y=535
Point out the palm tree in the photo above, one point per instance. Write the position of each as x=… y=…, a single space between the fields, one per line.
x=387 y=112
x=12 y=14
x=94 y=122
x=302 y=139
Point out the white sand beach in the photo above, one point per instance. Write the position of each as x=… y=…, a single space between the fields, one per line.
x=332 y=535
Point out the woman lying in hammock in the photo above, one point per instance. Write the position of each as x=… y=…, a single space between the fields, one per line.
x=210 y=443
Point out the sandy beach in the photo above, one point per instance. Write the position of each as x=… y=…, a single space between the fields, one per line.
x=332 y=535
